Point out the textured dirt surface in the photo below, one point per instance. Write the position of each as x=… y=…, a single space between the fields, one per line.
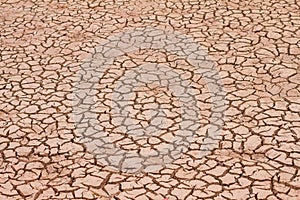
x=255 y=47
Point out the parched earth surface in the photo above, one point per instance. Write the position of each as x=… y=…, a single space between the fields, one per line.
x=71 y=128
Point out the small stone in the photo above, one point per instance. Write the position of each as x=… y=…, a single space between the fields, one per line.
x=274 y=35
x=31 y=109
x=25 y=190
x=252 y=142
x=295 y=50
x=221 y=47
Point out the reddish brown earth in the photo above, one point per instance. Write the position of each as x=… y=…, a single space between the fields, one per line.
x=255 y=48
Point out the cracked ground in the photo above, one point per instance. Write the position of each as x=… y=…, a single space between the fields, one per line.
x=45 y=53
